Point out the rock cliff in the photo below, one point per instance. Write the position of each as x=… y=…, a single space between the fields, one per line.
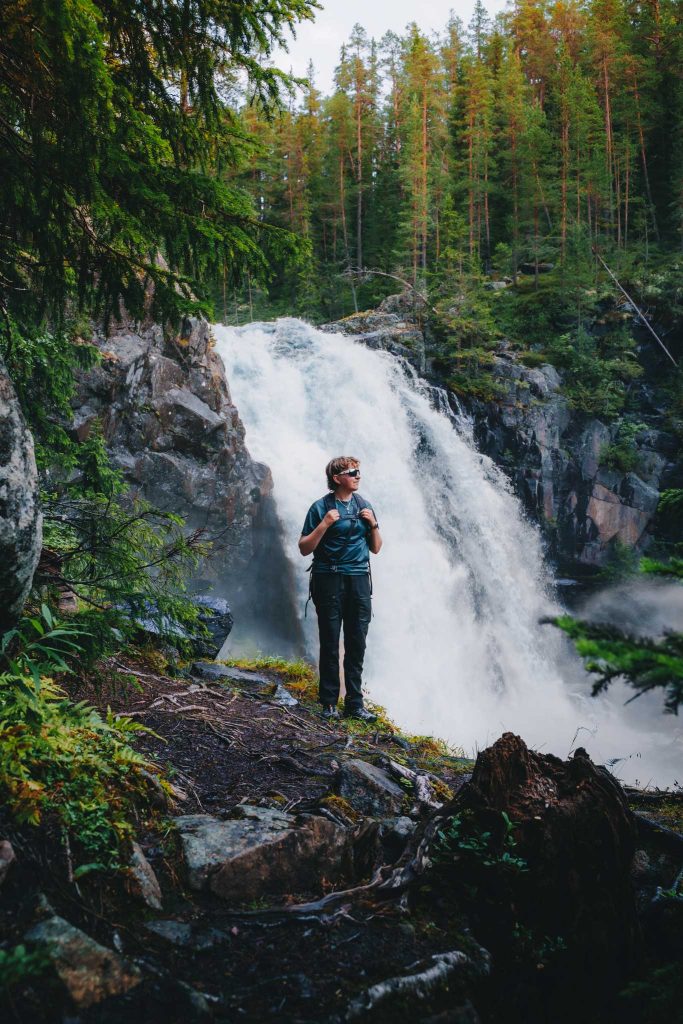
x=555 y=457
x=164 y=406
x=20 y=518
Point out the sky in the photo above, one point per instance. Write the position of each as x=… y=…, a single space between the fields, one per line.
x=321 y=40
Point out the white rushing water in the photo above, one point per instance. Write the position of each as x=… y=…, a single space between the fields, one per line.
x=455 y=648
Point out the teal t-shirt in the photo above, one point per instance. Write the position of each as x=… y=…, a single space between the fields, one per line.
x=344 y=548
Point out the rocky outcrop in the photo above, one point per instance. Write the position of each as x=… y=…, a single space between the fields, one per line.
x=20 y=518
x=555 y=459
x=164 y=405
x=396 y=326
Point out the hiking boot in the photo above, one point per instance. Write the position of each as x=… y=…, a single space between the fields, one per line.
x=330 y=711
x=360 y=713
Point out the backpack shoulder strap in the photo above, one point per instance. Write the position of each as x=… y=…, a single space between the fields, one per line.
x=329 y=501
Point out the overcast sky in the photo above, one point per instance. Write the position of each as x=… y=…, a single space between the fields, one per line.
x=320 y=41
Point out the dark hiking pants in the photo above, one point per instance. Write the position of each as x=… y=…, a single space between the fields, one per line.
x=341 y=599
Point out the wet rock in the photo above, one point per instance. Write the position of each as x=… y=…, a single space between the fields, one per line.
x=262 y=852
x=89 y=971
x=369 y=789
x=20 y=518
x=7 y=858
x=215 y=614
x=145 y=883
x=396 y=332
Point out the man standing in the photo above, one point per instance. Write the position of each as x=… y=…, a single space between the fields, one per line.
x=340 y=531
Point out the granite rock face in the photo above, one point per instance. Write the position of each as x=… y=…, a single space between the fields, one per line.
x=553 y=456
x=164 y=405
x=262 y=852
x=21 y=533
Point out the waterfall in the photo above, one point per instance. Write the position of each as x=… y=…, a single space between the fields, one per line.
x=455 y=648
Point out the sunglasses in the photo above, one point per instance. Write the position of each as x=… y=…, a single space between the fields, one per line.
x=349 y=472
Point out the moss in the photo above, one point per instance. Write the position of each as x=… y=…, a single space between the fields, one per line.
x=338 y=805
x=299 y=676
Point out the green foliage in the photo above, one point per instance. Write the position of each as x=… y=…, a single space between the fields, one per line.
x=670 y=514
x=461 y=840
x=19 y=965
x=622 y=562
x=115 y=134
x=644 y=663
x=64 y=761
x=38 y=646
x=622 y=454
x=594 y=385
x=119 y=555
x=654 y=999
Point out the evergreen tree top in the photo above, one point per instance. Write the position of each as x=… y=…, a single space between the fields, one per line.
x=115 y=130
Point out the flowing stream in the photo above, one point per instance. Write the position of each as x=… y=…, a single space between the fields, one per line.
x=455 y=648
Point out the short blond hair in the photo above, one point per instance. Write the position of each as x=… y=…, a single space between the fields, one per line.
x=338 y=465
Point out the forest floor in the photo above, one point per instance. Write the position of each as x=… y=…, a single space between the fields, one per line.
x=222 y=745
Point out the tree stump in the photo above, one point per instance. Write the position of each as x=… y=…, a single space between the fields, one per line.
x=576 y=833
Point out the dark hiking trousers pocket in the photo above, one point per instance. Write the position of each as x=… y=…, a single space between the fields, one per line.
x=342 y=601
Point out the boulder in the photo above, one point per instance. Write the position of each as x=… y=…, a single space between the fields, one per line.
x=89 y=971
x=395 y=330
x=144 y=882
x=368 y=789
x=20 y=518
x=262 y=852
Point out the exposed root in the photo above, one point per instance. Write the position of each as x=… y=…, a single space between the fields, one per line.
x=418 y=986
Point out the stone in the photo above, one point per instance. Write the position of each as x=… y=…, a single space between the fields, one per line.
x=614 y=520
x=189 y=420
x=283 y=697
x=145 y=883
x=554 y=458
x=178 y=933
x=368 y=789
x=394 y=834
x=21 y=521
x=89 y=971
x=7 y=858
x=214 y=672
x=215 y=614
x=262 y=852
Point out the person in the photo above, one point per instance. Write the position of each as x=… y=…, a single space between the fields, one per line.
x=341 y=530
